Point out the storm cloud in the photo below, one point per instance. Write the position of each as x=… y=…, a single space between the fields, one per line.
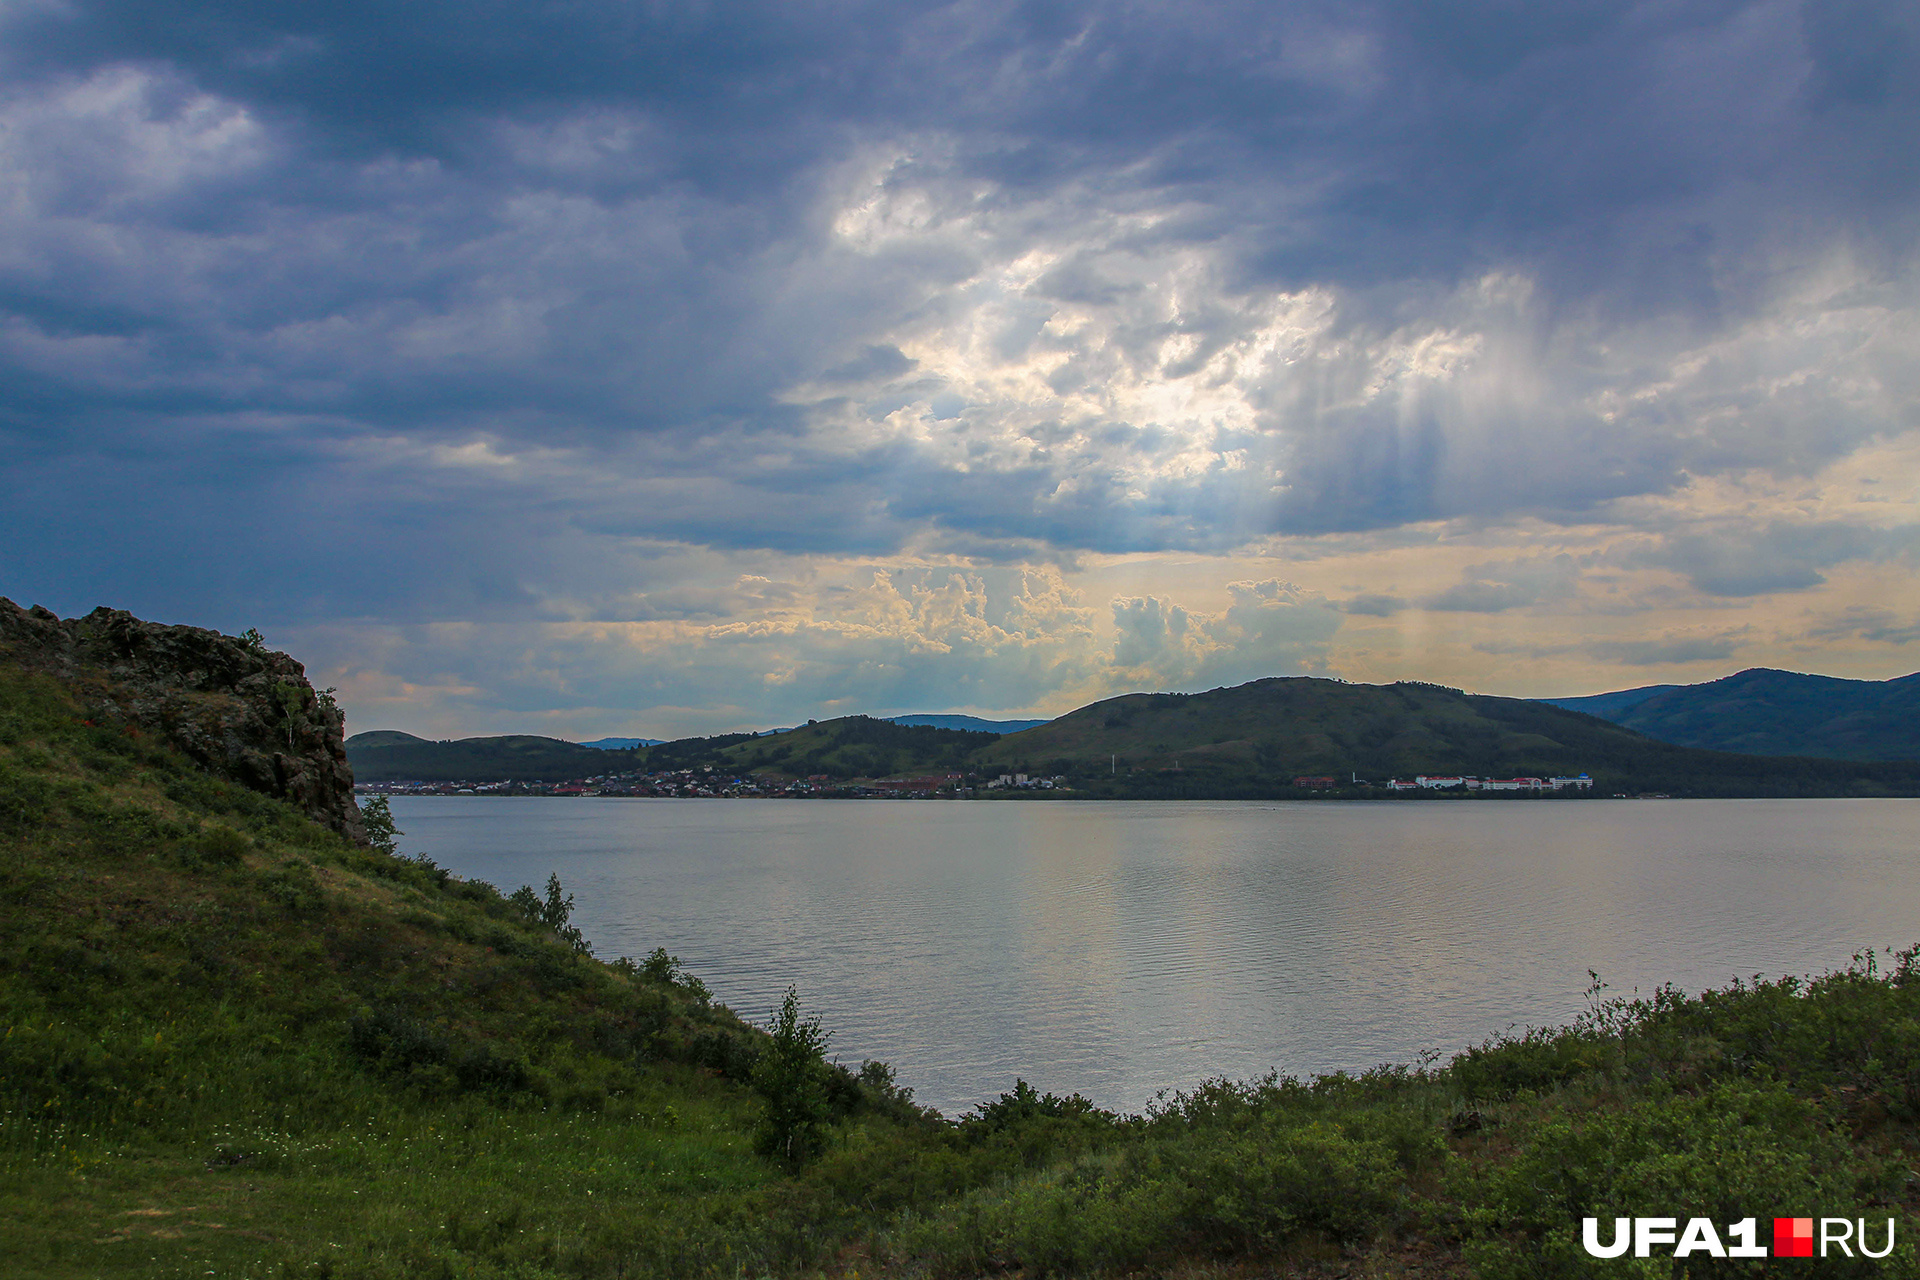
x=358 y=322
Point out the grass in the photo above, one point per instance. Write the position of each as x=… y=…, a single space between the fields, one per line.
x=235 y=1045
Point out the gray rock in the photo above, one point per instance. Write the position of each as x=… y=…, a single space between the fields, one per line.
x=237 y=709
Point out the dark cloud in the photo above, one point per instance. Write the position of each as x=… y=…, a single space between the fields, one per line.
x=1866 y=622
x=1777 y=556
x=1480 y=597
x=876 y=362
x=497 y=296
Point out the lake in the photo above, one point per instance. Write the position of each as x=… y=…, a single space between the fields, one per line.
x=1116 y=949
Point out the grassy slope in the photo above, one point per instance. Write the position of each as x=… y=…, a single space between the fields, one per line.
x=236 y=1046
x=515 y=756
x=1253 y=739
x=235 y=1041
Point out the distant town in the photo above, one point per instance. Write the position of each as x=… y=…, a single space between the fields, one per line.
x=1424 y=782
x=706 y=782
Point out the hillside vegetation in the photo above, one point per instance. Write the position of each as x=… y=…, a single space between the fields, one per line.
x=239 y=1043
x=387 y=756
x=1773 y=713
x=850 y=747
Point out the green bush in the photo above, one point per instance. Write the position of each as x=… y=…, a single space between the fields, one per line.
x=1742 y=1149
x=50 y=1064
x=432 y=1059
x=1206 y=1193
x=1541 y=1058
x=792 y=1078
x=292 y=885
x=217 y=846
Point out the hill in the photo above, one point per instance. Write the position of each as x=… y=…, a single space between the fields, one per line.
x=385 y=738
x=1609 y=706
x=849 y=747
x=243 y=1036
x=1252 y=740
x=395 y=757
x=231 y=706
x=1773 y=713
x=241 y=1041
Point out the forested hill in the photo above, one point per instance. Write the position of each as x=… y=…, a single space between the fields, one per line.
x=1773 y=713
x=849 y=747
x=387 y=756
x=1254 y=739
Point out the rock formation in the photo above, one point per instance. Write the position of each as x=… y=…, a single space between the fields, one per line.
x=236 y=708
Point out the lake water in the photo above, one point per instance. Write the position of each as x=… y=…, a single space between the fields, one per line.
x=1116 y=949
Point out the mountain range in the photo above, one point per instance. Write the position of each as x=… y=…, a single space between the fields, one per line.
x=1248 y=741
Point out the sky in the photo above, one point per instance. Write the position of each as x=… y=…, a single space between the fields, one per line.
x=663 y=368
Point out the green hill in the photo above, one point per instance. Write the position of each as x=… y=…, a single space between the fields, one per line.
x=1252 y=740
x=850 y=747
x=1610 y=706
x=386 y=756
x=1773 y=713
x=385 y=738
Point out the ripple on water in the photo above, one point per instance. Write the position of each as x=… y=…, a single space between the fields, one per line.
x=1116 y=949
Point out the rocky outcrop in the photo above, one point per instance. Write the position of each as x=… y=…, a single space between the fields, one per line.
x=235 y=707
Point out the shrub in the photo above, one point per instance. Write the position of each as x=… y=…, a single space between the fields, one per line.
x=435 y=1061
x=376 y=816
x=730 y=1053
x=552 y=912
x=663 y=968
x=791 y=1077
x=217 y=846
x=293 y=887
x=1739 y=1150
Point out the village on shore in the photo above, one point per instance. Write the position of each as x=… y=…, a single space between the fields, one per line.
x=708 y=783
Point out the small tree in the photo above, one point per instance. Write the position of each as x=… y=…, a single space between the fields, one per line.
x=376 y=815
x=792 y=1077
x=553 y=912
x=293 y=708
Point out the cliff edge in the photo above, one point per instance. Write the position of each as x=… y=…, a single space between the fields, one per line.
x=236 y=708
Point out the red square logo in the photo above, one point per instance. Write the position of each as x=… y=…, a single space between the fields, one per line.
x=1793 y=1237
